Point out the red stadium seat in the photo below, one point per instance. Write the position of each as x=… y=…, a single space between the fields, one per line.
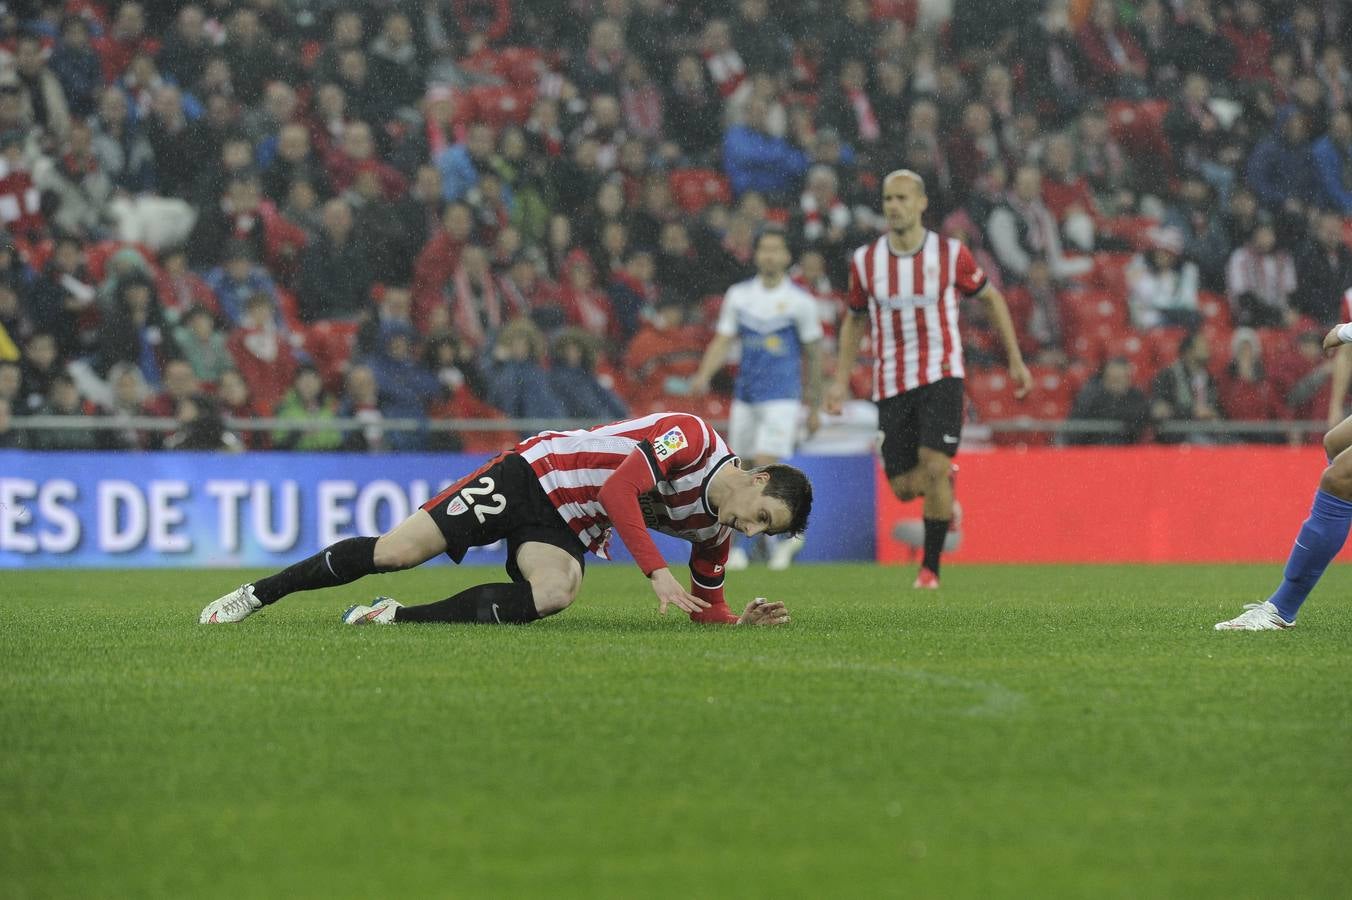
x=1136 y=351
x=1100 y=315
x=1164 y=345
x=694 y=189
x=1214 y=307
x=1139 y=127
x=1110 y=272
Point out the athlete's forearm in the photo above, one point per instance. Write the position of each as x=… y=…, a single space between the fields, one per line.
x=850 y=332
x=813 y=389
x=714 y=357
x=998 y=312
x=619 y=498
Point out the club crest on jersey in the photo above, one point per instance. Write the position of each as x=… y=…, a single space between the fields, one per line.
x=669 y=443
x=456 y=507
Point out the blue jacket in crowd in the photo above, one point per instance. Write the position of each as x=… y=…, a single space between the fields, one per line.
x=756 y=161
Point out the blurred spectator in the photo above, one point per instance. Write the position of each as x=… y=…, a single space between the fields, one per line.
x=406 y=388
x=124 y=39
x=1186 y=392
x=584 y=304
x=460 y=165
x=307 y=401
x=973 y=148
x=692 y=111
x=665 y=346
x=1333 y=163
x=236 y=401
x=46 y=99
x=122 y=150
x=20 y=210
x=184 y=56
x=478 y=308
x=1197 y=137
x=517 y=385
x=1117 y=66
x=1195 y=43
x=12 y=437
x=757 y=161
x=200 y=426
x=438 y=260
x=295 y=160
x=126 y=399
x=1251 y=39
x=76 y=65
x=11 y=387
x=1204 y=238
x=15 y=326
x=1104 y=164
x=1111 y=396
x=1323 y=271
x=262 y=351
x=632 y=291
x=135 y=330
x=238 y=278
x=573 y=379
x=1041 y=327
x=1021 y=230
x=361 y=401
x=1260 y=279
x=335 y=270
x=1302 y=377
x=1281 y=170
x=63 y=399
x=1066 y=193
x=1163 y=285
x=179 y=288
x=200 y=341
x=1246 y=392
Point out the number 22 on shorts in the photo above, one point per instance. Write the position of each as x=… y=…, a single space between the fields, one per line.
x=468 y=499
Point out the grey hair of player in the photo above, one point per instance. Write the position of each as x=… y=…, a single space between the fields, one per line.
x=907 y=173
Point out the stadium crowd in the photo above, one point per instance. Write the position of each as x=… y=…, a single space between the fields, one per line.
x=531 y=208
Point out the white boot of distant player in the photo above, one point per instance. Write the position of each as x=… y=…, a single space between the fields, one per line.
x=737 y=559
x=782 y=552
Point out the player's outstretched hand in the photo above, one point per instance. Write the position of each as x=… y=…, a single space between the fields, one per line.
x=1022 y=378
x=762 y=612
x=669 y=591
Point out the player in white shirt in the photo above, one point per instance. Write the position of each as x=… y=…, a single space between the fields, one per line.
x=780 y=332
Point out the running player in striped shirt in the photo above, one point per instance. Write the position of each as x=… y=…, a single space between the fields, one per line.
x=904 y=287
x=555 y=496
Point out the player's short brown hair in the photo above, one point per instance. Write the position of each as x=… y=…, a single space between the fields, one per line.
x=792 y=487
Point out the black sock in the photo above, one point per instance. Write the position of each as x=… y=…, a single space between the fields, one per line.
x=337 y=564
x=936 y=530
x=487 y=603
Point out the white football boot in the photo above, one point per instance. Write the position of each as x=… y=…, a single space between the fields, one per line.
x=380 y=612
x=235 y=606
x=737 y=560
x=1256 y=617
x=781 y=556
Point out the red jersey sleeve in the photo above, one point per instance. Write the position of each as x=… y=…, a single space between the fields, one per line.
x=706 y=581
x=969 y=277
x=857 y=298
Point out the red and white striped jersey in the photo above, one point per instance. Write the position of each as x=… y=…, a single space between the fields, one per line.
x=913 y=307
x=684 y=453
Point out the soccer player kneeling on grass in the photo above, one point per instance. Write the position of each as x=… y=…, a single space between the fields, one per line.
x=1325 y=531
x=555 y=496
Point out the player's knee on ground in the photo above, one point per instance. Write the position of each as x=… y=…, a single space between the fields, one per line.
x=1337 y=480
x=554 y=592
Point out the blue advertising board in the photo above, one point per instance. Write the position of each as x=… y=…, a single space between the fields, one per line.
x=134 y=510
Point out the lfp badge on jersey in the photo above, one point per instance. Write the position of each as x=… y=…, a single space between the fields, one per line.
x=669 y=443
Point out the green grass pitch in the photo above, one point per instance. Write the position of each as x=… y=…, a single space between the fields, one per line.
x=1027 y=732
